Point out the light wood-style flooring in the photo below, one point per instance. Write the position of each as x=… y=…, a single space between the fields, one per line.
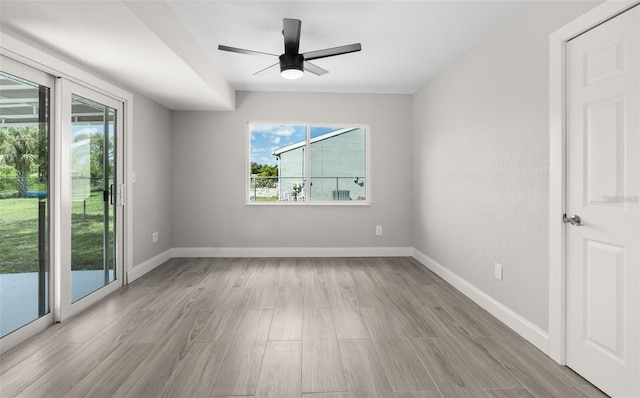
x=303 y=328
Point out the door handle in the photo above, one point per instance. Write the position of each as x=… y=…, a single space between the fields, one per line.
x=107 y=194
x=573 y=220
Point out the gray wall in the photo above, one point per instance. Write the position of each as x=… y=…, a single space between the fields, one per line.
x=292 y=163
x=481 y=155
x=343 y=155
x=209 y=165
x=335 y=162
x=152 y=190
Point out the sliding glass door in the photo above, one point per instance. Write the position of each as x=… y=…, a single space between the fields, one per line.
x=93 y=182
x=92 y=176
x=61 y=207
x=25 y=118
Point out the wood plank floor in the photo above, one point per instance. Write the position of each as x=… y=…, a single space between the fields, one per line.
x=299 y=328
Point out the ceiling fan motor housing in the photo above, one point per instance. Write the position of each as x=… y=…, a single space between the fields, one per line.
x=291 y=61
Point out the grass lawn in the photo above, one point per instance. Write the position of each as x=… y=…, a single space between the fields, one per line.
x=19 y=234
x=264 y=198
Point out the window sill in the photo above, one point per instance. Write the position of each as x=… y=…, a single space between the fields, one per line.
x=345 y=203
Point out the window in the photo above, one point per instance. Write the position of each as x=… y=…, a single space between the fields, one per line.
x=301 y=163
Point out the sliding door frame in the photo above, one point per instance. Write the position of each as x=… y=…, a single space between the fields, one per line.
x=47 y=62
x=26 y=72
x=64 y=307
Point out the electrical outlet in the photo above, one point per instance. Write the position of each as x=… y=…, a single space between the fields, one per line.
x=133 y=177
x=497 y=271
x=378 y=230
x=154 y=237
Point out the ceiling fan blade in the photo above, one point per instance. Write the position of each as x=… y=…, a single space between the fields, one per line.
x=261 y=71
x=330 y=52
x=243 y=51
x=291 y=32
x=315 y=69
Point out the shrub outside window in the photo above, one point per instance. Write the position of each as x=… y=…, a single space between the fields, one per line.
x=303 y=163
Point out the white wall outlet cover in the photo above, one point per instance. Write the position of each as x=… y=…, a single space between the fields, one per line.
x=498 y=271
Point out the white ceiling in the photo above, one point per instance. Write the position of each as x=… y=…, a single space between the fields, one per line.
x=167 y=50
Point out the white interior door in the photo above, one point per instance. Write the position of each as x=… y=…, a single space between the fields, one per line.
x=603 y=188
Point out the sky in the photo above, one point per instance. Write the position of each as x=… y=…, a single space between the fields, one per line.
x=267 y=137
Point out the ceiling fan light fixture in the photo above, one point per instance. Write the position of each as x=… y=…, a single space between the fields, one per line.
x=291 y=66
x=291 y=74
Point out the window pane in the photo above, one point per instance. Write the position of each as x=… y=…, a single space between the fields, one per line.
x=93 y=133
x=337 y=163
x=24 y=202
x=277 y=156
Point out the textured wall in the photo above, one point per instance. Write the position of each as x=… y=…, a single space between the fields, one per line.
x=152 y=190
x=481 y=154
x=209 y=164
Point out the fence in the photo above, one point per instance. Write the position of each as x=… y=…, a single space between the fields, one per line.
x=296 y=189
x=24 y=222
x=9 y=185
x=23 y=225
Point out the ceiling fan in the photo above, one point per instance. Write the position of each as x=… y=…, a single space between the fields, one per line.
x=292 y=63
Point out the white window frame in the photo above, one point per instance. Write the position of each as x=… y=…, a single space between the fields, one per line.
x=307 y=177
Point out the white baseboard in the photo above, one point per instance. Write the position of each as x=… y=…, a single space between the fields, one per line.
x=292 y=252
x=148 y=265
x=524 y=328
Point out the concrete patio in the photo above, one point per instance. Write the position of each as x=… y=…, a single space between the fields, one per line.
x=19 y=296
